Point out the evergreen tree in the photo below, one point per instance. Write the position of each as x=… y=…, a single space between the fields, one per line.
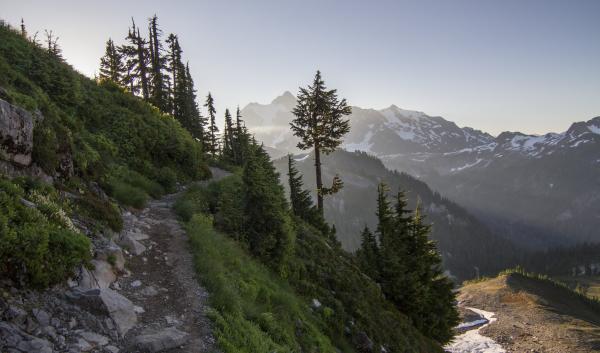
x=267 y=222
x=228 y=153
x=158 y=91
x=368 y=254
x=137 y=61
x=52 y=44
x=23 y=29
x=302 y=205
x=213 y=130
x=320 y=125
x=198 y=122
x=241 y=140
x=384 y=213
x=111 y=65
x=173 y=67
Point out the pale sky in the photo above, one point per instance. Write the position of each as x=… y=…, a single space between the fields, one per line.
x=519 y=65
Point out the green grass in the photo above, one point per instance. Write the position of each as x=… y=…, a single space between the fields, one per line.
x=254 y=310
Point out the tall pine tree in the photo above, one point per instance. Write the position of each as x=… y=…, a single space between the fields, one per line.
x=137 y=61
x=228 y=153
x=320 y=125
x=158 y=89
x=213 y=130
x=111 y=64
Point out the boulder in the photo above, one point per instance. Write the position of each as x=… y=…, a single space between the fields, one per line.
x=106 y=301
x=103 y=273
x=133 y=245
x=16 y=134
x=152 y=340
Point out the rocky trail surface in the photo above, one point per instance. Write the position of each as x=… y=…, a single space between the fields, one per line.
x=142 y=295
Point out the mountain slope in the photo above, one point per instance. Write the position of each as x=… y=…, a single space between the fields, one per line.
x=535 y=314
x=468 y=248
x=538 y=191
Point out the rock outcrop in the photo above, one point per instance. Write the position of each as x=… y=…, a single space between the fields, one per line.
x=16 y=134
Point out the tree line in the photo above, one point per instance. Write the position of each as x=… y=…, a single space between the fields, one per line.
x=155 y=71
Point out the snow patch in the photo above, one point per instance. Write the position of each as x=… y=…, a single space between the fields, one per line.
x=595 y=129
x=364 y=145
x=468 y=165
x=472 y=341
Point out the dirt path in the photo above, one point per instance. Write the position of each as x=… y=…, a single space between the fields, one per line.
x=171 y=304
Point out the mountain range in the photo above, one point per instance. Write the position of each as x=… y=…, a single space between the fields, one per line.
x=538 y=191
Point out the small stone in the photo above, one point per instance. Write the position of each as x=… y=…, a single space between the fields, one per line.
x=42 y=317
x=138 y=309
x=149 y=291
x=15 y=315
x=82 y=345
x=111 y=349
x=94 y=338
x=156 y=341
x=55 y=322
x=72 y=323
x=136 y=283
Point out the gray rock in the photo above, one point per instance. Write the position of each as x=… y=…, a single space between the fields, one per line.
x=134 y=246
x=115 y=253
x=111 y=349
x=16 y=134
x=37 y=345
x=137 y=235
x=136 y=283
x=103 y=273
x=94 y=338
x=153 y=341
x=149 y=291
x=81 y=346
x=108 y=302
x=41 y=316
x=15 y=314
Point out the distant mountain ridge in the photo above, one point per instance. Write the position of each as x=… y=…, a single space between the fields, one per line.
x=537 y=190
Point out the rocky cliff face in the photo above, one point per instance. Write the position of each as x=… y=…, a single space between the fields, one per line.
x=16 y=134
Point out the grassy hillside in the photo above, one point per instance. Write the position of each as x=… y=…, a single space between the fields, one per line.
x=536 y=313
x=87 y=134
x=324 y=303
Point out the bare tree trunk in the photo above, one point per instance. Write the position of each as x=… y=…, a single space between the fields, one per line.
x=319 y=179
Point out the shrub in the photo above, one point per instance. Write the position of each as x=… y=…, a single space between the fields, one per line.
x=128 y=194
x=167 y=178
x=36 y=250
x=101 y=210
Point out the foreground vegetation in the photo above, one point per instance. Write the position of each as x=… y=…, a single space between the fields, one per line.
x=87 y=134
x=321 y=289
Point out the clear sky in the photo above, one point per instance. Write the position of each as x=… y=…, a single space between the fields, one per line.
x=526 y=65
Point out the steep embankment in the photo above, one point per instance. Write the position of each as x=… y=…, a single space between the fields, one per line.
x=535 y=314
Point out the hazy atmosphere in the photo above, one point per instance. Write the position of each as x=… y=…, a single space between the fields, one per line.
x=530 y=66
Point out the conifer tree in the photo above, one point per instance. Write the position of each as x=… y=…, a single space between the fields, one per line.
x=158 y=92
x=302 y=205
x=198 y=122
x=213 y=130
x=173 y=67
x=320 y=125
x=368 y=254
x=23 y=29
x=228 y=153
x=241 y=140
x=137 y=53
x=111 y=65
x=267 y=223
x=384 y=213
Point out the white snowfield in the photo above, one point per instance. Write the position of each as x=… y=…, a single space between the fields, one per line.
x=472 y=341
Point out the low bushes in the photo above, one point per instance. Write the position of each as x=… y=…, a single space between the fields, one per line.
x=38 y=245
